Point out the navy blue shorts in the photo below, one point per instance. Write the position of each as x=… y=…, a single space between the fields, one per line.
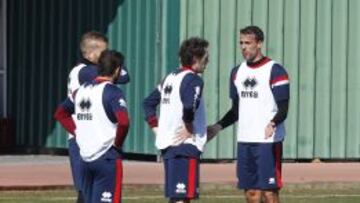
x=259 y=165
x=103 y=178
x=77 y=168
x=181 y=178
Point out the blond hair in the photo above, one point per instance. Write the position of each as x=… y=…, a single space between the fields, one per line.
x=89 y=39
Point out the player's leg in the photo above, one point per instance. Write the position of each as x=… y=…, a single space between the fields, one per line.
x=253 y=196
x=246 y=172
x=167 y=188
x=167 y=182
x=270 y=171
x=77 y=169
x=108 y=172
x=87 y=182
x=182 y=179
x=271 y=196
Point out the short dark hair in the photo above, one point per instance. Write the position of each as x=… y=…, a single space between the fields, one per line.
x=255 y=30
x=193 y=47
x=109 y=61
x=91 y=35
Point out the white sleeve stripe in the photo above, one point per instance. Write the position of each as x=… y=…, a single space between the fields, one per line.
x=279 y=83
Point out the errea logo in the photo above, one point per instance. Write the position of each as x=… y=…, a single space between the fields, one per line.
x=197 y=90
x=122 y=103
x=85 y=104
x=271 y=181
x=85 y=113
x=249 y=86
x=168 y=89
x=250 y=83
x=106 y=197
x=180 y=188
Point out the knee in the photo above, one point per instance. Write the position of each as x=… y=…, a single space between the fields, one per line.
x=271 y=196
x=253 y=196
x=179 y=201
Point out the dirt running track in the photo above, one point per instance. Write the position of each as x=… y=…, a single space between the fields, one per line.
x=38 y=172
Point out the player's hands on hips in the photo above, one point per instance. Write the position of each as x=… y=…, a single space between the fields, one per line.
x=213 y=130
x=269 y=130
x=182 y=134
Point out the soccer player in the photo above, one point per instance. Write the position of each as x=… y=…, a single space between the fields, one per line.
x=100 y=125
x=91 y=45
x=259 y=89
x=181 y=129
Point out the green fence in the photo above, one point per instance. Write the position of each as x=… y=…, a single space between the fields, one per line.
x=316 y=41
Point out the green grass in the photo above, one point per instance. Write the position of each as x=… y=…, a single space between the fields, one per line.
x=210 y=193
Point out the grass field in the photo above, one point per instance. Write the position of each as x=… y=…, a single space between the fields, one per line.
x=299 y=193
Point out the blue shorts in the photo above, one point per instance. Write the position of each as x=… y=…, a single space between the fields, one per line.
x=181 y=178
x=182 y=173
x=103 y=178
x=77 y=169
x=259 y=165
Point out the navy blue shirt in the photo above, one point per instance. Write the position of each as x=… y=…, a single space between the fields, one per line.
x=90 y=72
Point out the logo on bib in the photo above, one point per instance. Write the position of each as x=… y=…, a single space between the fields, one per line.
x=167 y=92
x=249 y=85
x=168 y=89
x=85 y=104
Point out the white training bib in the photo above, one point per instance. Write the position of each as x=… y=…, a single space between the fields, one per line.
x=257 y=105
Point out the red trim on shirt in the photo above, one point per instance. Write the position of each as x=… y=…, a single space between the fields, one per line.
x=152 y=121
x=122 y=128
x=192 y=179
x=259 y=63
x=118 y=181
x=183 y=68
x=65 y=119
x=279 y=78
x=100 y=79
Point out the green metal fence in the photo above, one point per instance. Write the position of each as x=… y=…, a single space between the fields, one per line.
x=316 y=41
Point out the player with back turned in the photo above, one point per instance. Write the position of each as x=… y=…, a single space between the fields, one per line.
x=100 y=125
